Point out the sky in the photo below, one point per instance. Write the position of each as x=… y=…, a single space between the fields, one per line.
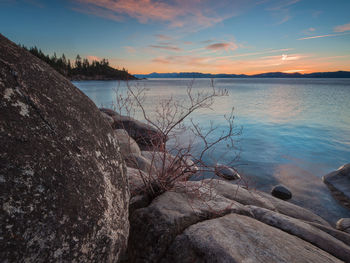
x=221 y=36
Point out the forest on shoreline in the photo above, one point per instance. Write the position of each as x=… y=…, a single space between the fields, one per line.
x=82 y=68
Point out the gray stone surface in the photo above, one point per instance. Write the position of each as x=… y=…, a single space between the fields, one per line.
x=153 y=228
x=126 y=143
x=342 y=236
x=158 y=230
x=343 y=224
x=261 y=199
x=339 y=184
x=238 y=238
x=108 y=118
x=144 y=134
x=63 y=189
x=139 y=162
x=301 y=229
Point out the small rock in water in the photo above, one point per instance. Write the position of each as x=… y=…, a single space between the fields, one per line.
x=343 y=224
x=226 y=172
x=281 y=192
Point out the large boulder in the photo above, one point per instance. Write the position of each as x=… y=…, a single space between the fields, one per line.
x=339 y=183
x=144 y=134
x=64 y=193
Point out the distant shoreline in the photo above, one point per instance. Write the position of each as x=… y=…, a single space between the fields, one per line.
x=337 y=74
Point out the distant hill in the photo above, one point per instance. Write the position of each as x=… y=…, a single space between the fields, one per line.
x=337 y=74
x=82 y=69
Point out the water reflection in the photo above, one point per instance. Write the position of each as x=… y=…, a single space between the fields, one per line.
x=294 y=130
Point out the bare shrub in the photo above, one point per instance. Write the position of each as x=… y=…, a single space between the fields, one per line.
x=171 y=159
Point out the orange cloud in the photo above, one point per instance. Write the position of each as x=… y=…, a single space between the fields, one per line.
x=342 y=28
x=93 y=58
x=130 y=50
x=220 y=64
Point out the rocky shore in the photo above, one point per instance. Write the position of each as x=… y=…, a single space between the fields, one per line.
x=72 y=180
x=216 y=221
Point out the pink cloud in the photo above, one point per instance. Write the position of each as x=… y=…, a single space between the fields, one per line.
x=166 y=47
x=342 y=28
x=188 y=14
x=222 y=46
x=162 y=37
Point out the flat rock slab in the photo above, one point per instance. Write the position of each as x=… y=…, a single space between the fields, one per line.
x=238 y=238
x=261 y=199
x=303 y=230
x=155 y=227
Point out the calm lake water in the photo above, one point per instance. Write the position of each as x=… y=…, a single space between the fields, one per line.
x=294 y=130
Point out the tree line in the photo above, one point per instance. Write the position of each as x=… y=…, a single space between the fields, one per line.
x=81 y=67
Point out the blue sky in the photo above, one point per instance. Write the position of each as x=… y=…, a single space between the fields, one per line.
x=223 y=36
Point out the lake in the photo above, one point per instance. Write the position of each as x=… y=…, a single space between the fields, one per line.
x=294 y=131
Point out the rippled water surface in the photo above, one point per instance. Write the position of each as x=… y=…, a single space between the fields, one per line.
x=294 y=130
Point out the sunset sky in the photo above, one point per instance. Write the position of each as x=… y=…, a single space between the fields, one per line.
x=222 y=36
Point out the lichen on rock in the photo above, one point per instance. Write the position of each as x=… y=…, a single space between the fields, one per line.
x=63 y=187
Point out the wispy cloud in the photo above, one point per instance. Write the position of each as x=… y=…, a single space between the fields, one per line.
x=130 y=50
x=187 y=14
x=207 y=41
x=284 y=19
x=342 y=28
x=258 y=53
x=293 y=71
x=281 y=10
x=222 y=46
x=282 y=5
x=309 y=31
x=227 y=64
x=166 y=47
x=321 y=36
x=162 y=37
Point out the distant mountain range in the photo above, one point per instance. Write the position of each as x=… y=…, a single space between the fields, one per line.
x=338 y=74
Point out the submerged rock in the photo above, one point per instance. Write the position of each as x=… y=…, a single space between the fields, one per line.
x=339 y=184
x=281 y=192
x=64 y=194
x=226 y=172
